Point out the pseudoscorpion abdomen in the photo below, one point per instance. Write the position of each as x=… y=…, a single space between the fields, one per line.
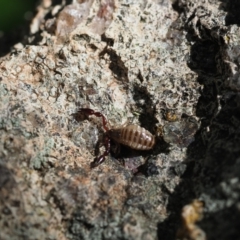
x=133 y=136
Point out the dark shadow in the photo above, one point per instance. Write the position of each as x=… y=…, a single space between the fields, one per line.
x=212 y=159
x=145 y=106
x=222 y=224
x=232 y=7
x=117 y=66
x=147 y=120
x=10 y=39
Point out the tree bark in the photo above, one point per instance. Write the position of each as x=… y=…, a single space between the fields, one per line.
x=171 y=67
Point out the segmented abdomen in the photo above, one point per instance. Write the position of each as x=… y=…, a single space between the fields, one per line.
x=136 y=137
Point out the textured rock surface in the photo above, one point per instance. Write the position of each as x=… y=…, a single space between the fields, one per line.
x=159 y=64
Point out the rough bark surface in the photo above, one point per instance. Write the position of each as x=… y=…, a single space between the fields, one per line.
x=171 y=67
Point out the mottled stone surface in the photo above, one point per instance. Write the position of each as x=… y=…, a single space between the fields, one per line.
x=158 y=64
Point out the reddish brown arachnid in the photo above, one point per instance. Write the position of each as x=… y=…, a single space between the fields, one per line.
x=130 y=135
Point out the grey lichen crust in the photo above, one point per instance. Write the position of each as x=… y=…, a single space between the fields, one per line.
x=168 y=66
